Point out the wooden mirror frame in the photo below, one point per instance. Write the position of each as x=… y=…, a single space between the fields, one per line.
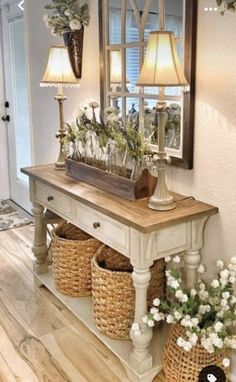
x=190 y=68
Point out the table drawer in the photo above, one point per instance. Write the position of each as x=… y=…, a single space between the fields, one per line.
x=104 y=228
x=53 y=199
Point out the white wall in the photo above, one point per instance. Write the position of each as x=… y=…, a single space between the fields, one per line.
x=45 y=113
x=213 y=179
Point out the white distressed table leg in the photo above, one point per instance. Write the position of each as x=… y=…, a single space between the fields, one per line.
x=141 y=258
x=141 y=357
x=192 y=256
x=39 y=248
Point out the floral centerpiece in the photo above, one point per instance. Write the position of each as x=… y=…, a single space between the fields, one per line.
x=111 y=145
x=67 y=16
x=202 y=317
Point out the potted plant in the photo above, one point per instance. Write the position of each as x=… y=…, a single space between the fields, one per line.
x=202 y=319
x=68 y=19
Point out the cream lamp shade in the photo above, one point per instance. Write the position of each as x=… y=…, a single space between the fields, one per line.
x=161 y=65
x=59 y=70
x=115 y=67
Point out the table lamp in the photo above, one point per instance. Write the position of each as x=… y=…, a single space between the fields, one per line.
x=161 y=68
x=59 y=73
x=116 y=75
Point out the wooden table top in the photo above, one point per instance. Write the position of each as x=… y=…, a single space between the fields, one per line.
x=135 y=214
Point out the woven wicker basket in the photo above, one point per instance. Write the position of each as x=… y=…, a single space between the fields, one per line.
x=113 y=292
x=182 y=366
x=72 y=251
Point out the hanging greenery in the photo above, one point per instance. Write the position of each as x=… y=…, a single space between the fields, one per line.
x=227 y=5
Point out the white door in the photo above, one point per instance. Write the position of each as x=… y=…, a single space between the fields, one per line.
x=15 y=74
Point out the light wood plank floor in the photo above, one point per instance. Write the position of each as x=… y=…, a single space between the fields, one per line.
x=40 y=339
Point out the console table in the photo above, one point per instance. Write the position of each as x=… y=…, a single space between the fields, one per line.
x=132 y=229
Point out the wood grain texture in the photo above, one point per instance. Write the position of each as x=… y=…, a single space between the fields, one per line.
x=135 y=214
x=41 y=340
x=117 y=185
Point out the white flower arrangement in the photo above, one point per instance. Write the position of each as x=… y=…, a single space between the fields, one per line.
x=207 y=312
x=228 y=5
x=67 y=16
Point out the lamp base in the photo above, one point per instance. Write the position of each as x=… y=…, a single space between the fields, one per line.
x=161 y=205
x=59 y=166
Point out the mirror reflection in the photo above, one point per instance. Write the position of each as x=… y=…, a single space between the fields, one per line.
x=129 y=24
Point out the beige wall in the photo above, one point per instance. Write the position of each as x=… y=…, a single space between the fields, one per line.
x=213 y=179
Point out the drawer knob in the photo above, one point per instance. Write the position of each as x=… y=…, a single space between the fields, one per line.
x=96 y=225
x=50 y=198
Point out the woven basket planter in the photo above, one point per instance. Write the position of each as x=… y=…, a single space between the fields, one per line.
x=113 y=293
x=72 y=251
x=182 y=366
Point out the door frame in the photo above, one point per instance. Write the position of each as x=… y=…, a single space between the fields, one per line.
x=28 y=72
x=4 y=153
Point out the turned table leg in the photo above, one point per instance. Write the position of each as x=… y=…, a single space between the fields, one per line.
x=141 y=357
x=39 y=248
x=192 y=256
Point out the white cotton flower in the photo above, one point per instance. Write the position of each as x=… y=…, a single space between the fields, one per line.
x=226 y=362
x=145 y=319
x=46 y=18
x=204 y=309
x=220 y=264
x=188 y=346
x=218 y=327
x=170 y=319
x=177 y=259
x=233 y=260
x=177 y=315
x=179 y=294
x=75 y=25
x=201 y=269
x=215 y=283
x=174 y=284
x=195 y=322
x=224 y=303
x=167 y=259
x=193 y=339
x=156 y=302
x=150 y=323
x=226 y=295
x=207 y=344
x=224 y=274
x=159 y=317
x=193 y=292
x=154 y=310
x=184 y=298
x=180 y=342
x=218 y=343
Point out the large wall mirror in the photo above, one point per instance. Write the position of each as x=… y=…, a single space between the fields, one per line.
x=124 y=29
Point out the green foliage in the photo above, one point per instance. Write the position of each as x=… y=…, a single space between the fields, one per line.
x=66 y=16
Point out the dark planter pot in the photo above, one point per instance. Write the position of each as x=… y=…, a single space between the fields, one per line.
x=74 y=41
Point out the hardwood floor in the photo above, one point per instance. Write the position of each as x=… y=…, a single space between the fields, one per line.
x=41 y=340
